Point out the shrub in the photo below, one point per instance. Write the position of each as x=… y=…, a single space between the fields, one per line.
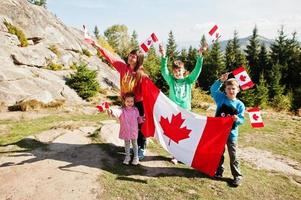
x=84 y=82
x=54 y=66
x=282 y=102
x=87 y=52
x=55 y=50
x=200 y=98
x=19 y=33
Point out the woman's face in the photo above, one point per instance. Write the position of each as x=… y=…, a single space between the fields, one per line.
x=132 y=60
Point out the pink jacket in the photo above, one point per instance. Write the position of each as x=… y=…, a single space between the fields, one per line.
x=129 y=119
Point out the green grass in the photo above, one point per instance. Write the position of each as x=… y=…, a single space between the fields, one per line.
x=137 y=182
x=280 y=136
x=21 y=129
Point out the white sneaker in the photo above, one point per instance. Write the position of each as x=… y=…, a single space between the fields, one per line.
x=135 y=161
x=127 y=160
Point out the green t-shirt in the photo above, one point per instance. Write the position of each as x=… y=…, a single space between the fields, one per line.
x=180 y=89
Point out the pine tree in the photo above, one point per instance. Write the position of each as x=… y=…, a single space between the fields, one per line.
x=264 y=63
x=134 y=44
x=171 y=48
x=213 y=66
x=96 y=32
x=191 y=59
x=253 y=51
x=279 y=49
x=203 y=42
x=276 y=88
x=183 y=56
x=152 y=67
x=262 y=92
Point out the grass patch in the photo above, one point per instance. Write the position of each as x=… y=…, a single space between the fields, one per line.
x=21 y=129
x=86 y=52
x=54 y=66
x=134 y=182
x=55 y=50
x=280 y=136
x=18 y=32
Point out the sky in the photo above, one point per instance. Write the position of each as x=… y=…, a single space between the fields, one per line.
x=187 y=19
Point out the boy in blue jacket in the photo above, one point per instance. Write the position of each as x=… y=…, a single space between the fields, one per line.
x=229 y=105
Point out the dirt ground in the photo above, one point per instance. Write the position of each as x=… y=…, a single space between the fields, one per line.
x=69 y=167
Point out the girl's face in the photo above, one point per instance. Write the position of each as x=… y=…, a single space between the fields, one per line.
x=132 y=60
x=178 y=73
x=129 y=102
x=231 y=91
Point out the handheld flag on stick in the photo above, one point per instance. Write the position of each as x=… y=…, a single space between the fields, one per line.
x=214 y=33
x=87 y=36
x=255 y=118
x=243 y=78
x=148 y=43
x=103 y=106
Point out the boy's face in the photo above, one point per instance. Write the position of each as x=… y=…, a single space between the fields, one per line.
x=129 y=101
x=178 y=73
x=231 y=91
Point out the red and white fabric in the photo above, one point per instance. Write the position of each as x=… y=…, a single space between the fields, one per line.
x=103 y=106
x=198 y=141
x=243 y=78
x=148 y=43
x=214 y=33
x=255 y=118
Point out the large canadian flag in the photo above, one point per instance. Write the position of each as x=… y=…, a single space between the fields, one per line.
x=214 y=33
x=243 y=78
x=148 y=43
x=198 y=141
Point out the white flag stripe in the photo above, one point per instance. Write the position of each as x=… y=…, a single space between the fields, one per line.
x=196 y=125
x=245 y=74
x=259 y=119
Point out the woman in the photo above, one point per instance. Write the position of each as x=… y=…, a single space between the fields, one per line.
x=131 y=74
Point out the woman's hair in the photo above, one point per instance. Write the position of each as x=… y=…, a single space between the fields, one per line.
x=139 y=69
x=232 y=82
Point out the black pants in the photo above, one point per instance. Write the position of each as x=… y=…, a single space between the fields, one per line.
x=141 y=138
x=234 y=163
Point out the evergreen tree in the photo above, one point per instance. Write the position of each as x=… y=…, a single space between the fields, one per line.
x=203 y=42
x=96 y=32
x=279 y=49
x=171 y=48
x=262 y=92
x=253 y=51
x=213 y=66
x=264 y=63
x=183 y=56
x=152 y=67
x=84 y=82
x=191 y=59
x=42 y=3
x=134 y=44
x=276 y=87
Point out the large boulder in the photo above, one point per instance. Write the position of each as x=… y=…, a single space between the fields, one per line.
x=24 y=71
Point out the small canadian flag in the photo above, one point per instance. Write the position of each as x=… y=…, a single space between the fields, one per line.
x=148 y=43
x=103 y=106
x=243 y=78
x=214 y=33
x=87 y=36
x=255 y=118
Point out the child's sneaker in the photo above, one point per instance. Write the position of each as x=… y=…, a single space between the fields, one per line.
x=236 y=181
x=135 y=161
x=127 y=160
x=218 y=175
x=141 y=153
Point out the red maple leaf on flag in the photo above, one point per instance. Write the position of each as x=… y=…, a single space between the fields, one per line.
x=173 y=129
x=242 y=78
x=255 y=117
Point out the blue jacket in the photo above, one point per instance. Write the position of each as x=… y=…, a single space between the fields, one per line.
x=226 y=106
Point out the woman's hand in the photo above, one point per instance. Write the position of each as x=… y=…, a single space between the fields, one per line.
x=161 y=50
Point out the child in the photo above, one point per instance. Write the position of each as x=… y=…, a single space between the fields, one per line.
x=180 y=85
x=229 y=105
x=129 y=118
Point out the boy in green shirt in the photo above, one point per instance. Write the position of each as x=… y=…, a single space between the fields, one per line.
x=179 y=84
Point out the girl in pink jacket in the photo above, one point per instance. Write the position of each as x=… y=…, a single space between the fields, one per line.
x=129 y=118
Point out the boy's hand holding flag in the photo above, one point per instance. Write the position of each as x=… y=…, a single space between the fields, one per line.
x=148 y=43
